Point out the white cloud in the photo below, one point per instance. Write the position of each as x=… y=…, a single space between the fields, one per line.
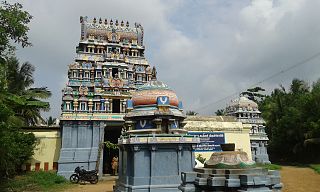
x=205 y=50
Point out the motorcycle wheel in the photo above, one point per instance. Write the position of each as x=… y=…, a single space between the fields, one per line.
x=94 y=179
x=74 y=178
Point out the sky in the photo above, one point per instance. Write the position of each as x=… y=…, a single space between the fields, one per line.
x=207 y=51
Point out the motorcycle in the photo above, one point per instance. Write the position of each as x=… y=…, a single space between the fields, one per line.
x=81 y=174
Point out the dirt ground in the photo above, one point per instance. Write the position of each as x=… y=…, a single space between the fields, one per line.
x=101 y=186
x=299 y=179
x=295 y=179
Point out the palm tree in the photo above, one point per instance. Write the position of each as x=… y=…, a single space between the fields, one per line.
x=51 y=120
x=26 y=102
x=254 y=94
x=19 y=78
x=220 y=112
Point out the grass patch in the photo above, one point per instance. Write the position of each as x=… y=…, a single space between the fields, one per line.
x=270 y=166
x=315 y=167
x=35 y=181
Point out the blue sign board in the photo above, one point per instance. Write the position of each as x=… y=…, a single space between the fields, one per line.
x=209 y=141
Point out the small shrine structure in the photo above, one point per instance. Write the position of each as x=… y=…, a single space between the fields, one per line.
x=231 y=171
x=247 y=112
x=154 y=147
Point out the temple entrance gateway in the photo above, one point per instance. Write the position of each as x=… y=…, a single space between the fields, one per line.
x=115 y=105
x=98 y=87
x=111 y=134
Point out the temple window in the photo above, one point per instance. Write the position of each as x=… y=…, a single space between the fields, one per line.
x=75 y=73
x=103 y=107
x=139 y=78
x=83 y=106
x=115 y=105
x=68 y=106
x=114 y=71
x=96 y=106
x=98 y=74
x=86 y=74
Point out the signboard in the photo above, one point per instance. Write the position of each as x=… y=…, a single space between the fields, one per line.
x=209 y=141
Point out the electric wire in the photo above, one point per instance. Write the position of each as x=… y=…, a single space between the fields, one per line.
x=304 y=61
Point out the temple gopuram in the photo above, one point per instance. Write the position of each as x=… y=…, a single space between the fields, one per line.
x=109 y=66
x=247 y=112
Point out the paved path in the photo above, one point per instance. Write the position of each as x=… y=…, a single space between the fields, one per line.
x=297 y=179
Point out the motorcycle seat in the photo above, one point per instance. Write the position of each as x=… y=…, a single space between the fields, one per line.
x=90 y=171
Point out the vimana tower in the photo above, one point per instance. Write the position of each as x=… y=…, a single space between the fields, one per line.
x=109 y=66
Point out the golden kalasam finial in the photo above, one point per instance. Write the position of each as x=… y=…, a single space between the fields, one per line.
x=154 y=73
x=100 y=20
x=94 y=20
x=105 y=21
x=127 y=24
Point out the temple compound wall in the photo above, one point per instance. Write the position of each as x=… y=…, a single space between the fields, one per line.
x=47 y=150
x=80 y=142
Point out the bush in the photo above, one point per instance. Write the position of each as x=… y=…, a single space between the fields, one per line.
x=200 y=158
x=316 y=167
x=16 y=148
x=270 y=166
x=36 y=181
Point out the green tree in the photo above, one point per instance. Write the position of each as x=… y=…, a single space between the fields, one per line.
x=19 y=104
x=51 y=121
x=254 y=94
x=19 y=80
x=220 y=112
x=293 y=121
x=13 y=26
x=16 y=147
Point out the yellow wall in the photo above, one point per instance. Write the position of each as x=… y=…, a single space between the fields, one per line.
x=240 y=138
x=47 y=148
